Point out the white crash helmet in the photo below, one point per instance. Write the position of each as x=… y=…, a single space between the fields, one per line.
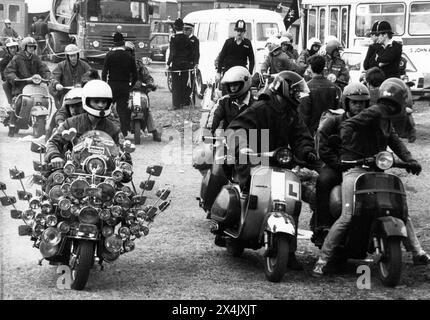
x=129 y=45
x=237 y=74
x=28 y=41
x=74 y=96
x=71 y=49
x=313 y=41
x=11 y=43
x=97 y=89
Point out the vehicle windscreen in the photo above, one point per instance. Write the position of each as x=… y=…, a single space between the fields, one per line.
x=124 y=11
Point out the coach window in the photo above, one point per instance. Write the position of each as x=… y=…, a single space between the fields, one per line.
x=419 y=20
x=213 y=32
x=203 y=31
x=266 y=30
x=322 y=24
x=334 y=21
x=312 y=18
x=1 y=11
x=14 y=13
x=344 y=28
x=367 y=14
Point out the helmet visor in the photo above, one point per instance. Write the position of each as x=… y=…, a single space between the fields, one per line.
x=301 y=87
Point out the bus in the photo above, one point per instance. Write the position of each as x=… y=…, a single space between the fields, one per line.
x=351 y=20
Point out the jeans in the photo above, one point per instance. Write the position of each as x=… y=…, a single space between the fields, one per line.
x=339 y=228
x=327 y=180
x=7 y=88
x=121 y=94
x=412 y=243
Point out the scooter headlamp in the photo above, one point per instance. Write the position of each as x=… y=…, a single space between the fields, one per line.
x=384 y=160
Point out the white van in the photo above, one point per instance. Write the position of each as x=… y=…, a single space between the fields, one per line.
x=213 y=27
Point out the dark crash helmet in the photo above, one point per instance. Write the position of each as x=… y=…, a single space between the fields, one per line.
x=332 y=46
x=290 y=86
x=395 y=92
x=355 y=91
x=73 y=99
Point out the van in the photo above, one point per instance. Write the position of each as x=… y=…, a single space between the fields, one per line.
x=213 y=27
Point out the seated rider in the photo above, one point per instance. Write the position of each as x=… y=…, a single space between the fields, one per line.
x=364 y=132
x=97 y=102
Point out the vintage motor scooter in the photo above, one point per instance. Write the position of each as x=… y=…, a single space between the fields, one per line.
x=263 y=217
x=139 y=106
x=380 y=214
x=35 y=104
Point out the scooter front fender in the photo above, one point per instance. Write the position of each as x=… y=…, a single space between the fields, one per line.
x=279 y=223
x=392 y=227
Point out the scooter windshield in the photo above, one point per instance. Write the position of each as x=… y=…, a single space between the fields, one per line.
x=35 y=89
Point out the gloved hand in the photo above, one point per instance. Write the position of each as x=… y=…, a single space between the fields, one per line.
x=57 y=163
x=311 y=157
x=414 y=167
x=59 y=87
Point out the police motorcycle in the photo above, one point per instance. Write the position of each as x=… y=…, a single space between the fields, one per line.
x=380 y=213
x=36 y=104
x=139 y=106
x=86 y=212
x=262 y=217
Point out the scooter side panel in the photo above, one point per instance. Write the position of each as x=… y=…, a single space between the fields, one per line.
x=269 y=184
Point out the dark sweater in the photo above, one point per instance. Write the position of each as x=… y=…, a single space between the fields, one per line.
x=233 y=54
x=119 y=66
x=391 y=55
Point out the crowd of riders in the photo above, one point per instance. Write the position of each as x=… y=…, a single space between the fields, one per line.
x=309 y=98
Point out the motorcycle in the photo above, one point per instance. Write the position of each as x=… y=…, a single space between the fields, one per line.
x=262 y=217
x=380 y=213
x=86 y=213
x=139 y=106
x=36 y=104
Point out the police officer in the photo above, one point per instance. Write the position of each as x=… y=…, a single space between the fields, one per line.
x=188 y=30
x=237 y=51
x=118 y=70
x=181 y=62
x=388 y=59
x=372 y=52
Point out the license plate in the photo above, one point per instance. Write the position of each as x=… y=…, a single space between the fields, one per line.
x=96 y=150
x=87 y=230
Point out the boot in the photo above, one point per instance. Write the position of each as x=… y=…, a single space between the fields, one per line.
x=156 y=136
x=319 y=268
x=11 y=132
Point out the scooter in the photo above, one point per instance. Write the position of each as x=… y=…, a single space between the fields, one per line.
x=380 y=213
x=35 y=104
x=262 y=217
x=139 y=106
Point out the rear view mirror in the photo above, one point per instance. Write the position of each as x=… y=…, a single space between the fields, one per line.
x=147 y=185
x=154 y=170
x=7 y=201
x=163 y=193
x=164 y=205
x=128 y=146
x=24 y=230
x=37 y=166
x=2 y=186
x=37 y=147
x=37 y=179
x=139 y=200
x=151 y=212
x=15 y=214
x=24 y=195
x=16 y=174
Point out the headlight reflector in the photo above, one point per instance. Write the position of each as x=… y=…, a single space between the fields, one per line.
x=384 y=160
x=88 y=215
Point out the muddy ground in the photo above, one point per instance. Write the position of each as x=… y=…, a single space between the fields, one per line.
x=178 y=259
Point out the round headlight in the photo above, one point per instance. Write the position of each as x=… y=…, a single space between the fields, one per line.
x=48 y=250
x=105 y=214
x=130 y=219
x=135 y=230
x=75 y=210
x=46 y=207
x=66 y=214
x=51 y=220
x=69 y=168
x=65 y=189
x=95 y=165
x=125 y=166
x=77 y=188
x=28 y=214
x=64 y=204
x=34 y=204
x=141 y=45
x=116 y=211
x=284 y=156
x=124 y=233
x=117 y=175
x=120 y=197
x=140 y=215
x=109 y=256
x=88 y=215
x=112 y=222
x=110 y=181
x=55 y=194
x=384 y=160
x=113 y=243
x=96 y=44
x=37 y=79
x=58 y=177
x=51 y=236
x=38 y=229
x=129 y=245
x=127 y=190
x=63 y=227
x=144 y=230
x=107 y=231
x=108 y=191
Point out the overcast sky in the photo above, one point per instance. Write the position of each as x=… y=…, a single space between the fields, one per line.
x=38 y=5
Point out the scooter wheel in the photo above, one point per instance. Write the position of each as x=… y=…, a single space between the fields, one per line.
x=277 y=260
x=390 y=264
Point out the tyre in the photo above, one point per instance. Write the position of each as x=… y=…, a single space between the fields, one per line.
x=390 y=264
x=276 y=262
x=169 y=81
x=234 y=248
x=39 y=127
x=136 y=125
x=82 y=265
x=200 y=87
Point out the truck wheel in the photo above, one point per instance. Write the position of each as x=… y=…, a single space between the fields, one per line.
x=276 y=262
x=136 y=132
x=39 y=127
x=390 y=264
x=83 y=264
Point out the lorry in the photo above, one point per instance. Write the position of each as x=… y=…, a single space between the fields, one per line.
x=91 y=24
